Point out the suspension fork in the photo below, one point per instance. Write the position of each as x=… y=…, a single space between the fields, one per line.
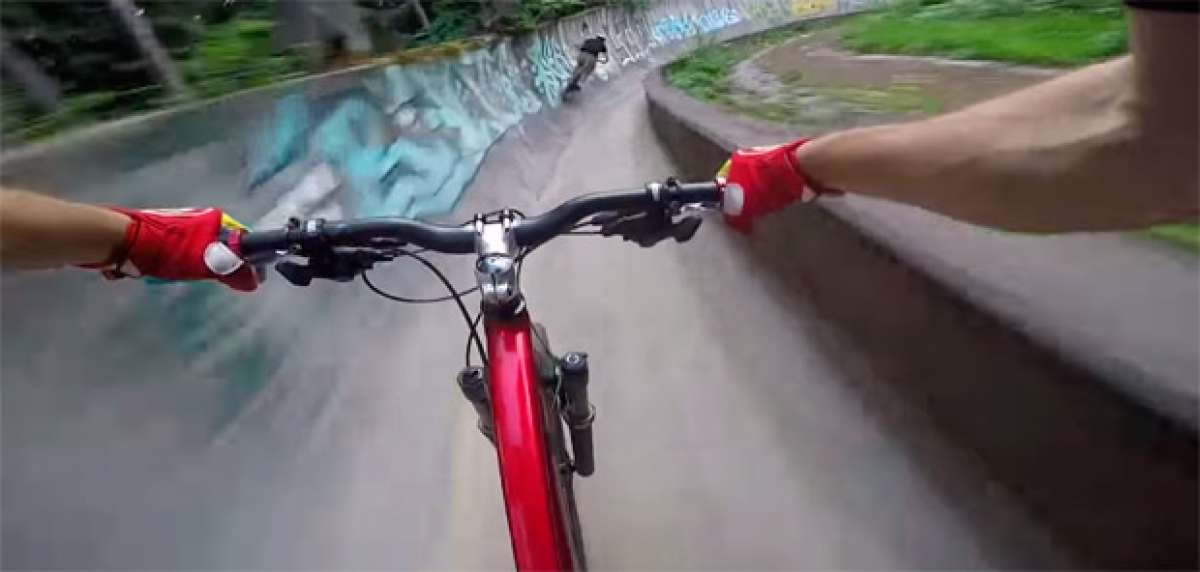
x=472 y=380
x=577 y=412
x=571 y=375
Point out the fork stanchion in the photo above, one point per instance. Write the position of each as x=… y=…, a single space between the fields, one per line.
x=578 y=412
x=473 y=383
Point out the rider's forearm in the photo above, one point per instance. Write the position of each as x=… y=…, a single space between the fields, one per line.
x=37 y=231
x=1083 y=151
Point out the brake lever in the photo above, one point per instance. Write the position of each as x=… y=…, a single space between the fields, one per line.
x=338 y=265
x=295 y=273
x=648 y=227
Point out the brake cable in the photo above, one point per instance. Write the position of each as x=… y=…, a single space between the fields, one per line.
x=472 y=331
x=399 y=298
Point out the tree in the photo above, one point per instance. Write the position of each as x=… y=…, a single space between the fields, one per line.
x=85 y=47
x=494 y=10
x=39 y=88
x=336 y=25
x=142 y=33
x=415 y=5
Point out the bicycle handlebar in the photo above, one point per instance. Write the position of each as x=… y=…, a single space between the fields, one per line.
x=440 y=238
x=461 y=239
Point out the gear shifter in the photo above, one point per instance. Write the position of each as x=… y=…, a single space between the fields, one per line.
x=341 y=265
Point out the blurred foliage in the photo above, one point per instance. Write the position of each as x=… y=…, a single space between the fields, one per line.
x=75 y=111
x=83 y=44
x=237 y=54
x=974 y=9
x=705 y=72
x=1044 y=32
x=219 y=46
x=1184 y=235
x=456 y=19
x=450 y=20
x=708 y=74
x=530 y=15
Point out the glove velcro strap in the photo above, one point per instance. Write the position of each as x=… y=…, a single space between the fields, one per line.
x=111 y=266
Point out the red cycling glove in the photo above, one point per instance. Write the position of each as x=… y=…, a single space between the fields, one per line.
x=182 y=244
x=769 y=178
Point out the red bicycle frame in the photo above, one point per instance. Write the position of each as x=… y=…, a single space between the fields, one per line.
x=527 y=476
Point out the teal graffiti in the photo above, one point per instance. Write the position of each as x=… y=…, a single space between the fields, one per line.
x=549 y=75
x=673 y=28
x=282 y=141
x=717 y=19
x=410 y=143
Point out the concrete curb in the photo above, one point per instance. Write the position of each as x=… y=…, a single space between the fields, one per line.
x=1051 y=421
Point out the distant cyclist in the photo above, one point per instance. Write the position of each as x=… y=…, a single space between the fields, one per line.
x=593 y=50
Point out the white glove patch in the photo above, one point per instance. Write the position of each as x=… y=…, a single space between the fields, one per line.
x=221 y=260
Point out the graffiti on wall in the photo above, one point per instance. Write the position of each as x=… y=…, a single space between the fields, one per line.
x=769 y=11
x=550 y=66
x=802 y=8
x=409 y=139
x=847 y=6
x=629 y=38
x=717 y=19
x=675 y=28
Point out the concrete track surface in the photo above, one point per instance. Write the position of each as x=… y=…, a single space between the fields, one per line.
x=320 y=428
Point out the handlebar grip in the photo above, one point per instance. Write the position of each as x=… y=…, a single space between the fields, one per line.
x=257 y=244
x=703 y=187
x=706 y=192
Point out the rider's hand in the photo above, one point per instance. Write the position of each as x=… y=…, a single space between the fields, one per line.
x=769 y=179
x=182 y=244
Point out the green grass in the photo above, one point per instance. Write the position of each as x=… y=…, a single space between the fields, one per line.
x=1052 y=37
x=895 y=100
x=705 y=72
x=1184 y=235
x=814 y=109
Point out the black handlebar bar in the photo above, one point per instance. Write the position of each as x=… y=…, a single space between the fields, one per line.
x=441 y=238
x=539 y=229
x=461 y=239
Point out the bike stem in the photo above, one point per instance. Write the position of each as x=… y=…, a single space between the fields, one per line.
x=496 y=265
